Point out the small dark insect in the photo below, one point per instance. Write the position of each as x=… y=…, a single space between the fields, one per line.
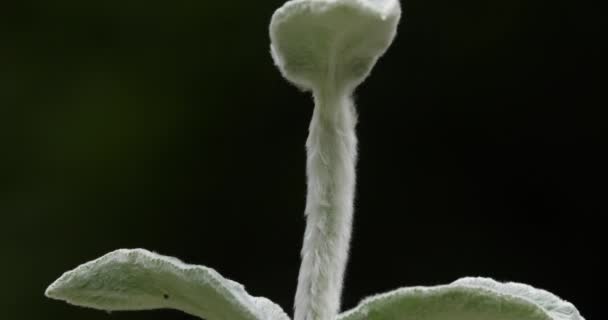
x=166 y=296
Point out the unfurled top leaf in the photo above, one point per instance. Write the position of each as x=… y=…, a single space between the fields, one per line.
x=320 y=43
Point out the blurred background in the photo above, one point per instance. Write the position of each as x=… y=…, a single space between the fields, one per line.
x=165 y=125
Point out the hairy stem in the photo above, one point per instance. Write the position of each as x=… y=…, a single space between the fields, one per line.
x=331 y=158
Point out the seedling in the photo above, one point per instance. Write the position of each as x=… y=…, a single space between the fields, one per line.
x=327 y=47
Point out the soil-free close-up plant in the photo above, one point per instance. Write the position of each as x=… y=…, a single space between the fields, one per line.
x=327 y=47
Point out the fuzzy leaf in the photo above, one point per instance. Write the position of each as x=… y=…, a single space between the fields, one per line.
x=138 y=280
x=465 y=299
x=557 y=308
x=317 y=43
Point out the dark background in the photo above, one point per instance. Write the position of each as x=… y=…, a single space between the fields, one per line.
x=165 y=125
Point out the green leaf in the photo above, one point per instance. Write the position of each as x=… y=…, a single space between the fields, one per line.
x=138 y=280
x=465 y=299
x=557 y=308
x=320 y=43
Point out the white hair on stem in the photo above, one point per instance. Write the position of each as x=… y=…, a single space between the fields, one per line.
x=331 y=158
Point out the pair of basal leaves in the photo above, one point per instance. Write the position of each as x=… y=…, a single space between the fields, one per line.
x=316 y=44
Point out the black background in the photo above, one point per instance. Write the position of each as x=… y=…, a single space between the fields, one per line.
x=165 y=125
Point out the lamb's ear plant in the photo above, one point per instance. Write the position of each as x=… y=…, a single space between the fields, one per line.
x=327 y=47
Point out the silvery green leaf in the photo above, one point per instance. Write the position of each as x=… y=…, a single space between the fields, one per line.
x=138 y=279
x=557 y=308
x=465 y=299
x=316 y=43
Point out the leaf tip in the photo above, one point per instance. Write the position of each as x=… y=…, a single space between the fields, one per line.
x=59 y=288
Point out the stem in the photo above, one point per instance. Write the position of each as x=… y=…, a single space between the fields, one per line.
x=331 y=157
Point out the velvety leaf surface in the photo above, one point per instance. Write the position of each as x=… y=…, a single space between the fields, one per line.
x=557 y=308
x=448 y=302
x=138 y=279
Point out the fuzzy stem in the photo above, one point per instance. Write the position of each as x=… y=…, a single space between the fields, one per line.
x=331 y=158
